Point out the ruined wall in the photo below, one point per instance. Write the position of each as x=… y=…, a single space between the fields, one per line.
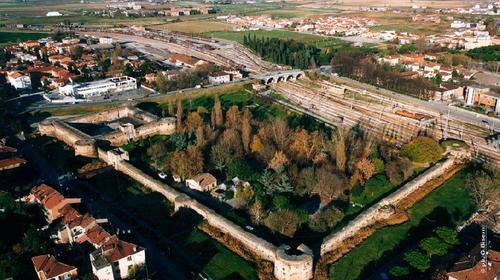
x=261 y=248
x=81 y=142
x=377 y=212
x=164 y=126
x=104 y=116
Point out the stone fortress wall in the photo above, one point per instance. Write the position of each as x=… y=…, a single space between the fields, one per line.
x=286 y=267
x=84 y=144
x=288 y=264
x=382 y=210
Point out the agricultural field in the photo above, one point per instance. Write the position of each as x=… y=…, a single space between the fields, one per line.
x=355 y=4
x=40 y=8
x=195 y=26
x=403 y=23
x=88 y=20
x=15 y=37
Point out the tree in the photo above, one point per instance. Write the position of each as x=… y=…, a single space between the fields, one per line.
x=484 y=189
x=423 y=150
x=257 y=212
x=194 y=121
x=393 y=173
x=279 y=160
x=186 y=163
x=329 y=184
x=399 y=271
x=280 y=201
x=447 y=234
x=218 y=118
x=280 y=133
x=325 y=219
x=233 y=117
x=284 y=221
x=366 y=168
x=433 y=246
x=179 y=113
x=243 y=195
x=156 y=151
x=417 y=260
x=256 y=146
x=240 y=168
x=246 y=131
x=340 y=151
x=266 y=180
x=76 y=51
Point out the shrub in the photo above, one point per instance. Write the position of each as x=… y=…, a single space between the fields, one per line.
x=280 y=201
x=433 y=246
x=447 y=234
x=284 y=221
x=399 y=271
x=228 y=195
x=423 y=150
x=379 y=165
x=417 y=260
x=326 y=219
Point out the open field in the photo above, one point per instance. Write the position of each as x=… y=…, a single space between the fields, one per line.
x=448 y=205
x=41 y=9
x=356 y=4
x=88 y=20
x=194 y=26
x=15 y=37
x=403 y=23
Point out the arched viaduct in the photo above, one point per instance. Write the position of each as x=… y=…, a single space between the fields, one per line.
x=279 y=76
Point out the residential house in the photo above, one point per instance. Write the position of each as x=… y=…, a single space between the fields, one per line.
x=449 y=92
x=391 y=60
x=477 y=266
x=48 y=268
x=76 y=229
x=18 y=80
x=115 y=258
x=182 y=60
x=202 y=182
x=51 y=200
x=219 y=78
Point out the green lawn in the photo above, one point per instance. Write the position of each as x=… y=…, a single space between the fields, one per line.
x=223 y=264
x=16 y=37
x=448 y=205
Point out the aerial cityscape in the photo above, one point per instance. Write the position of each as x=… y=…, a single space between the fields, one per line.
x=250 y=139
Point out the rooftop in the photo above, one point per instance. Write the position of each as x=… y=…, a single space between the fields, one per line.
x=50 y=266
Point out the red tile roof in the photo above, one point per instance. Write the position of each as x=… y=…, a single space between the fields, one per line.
x=9 y=163
x=472 y=267
x=82 y=221
x=50 y=266
x=97 y=235
x=115 y=249
x=47 y=196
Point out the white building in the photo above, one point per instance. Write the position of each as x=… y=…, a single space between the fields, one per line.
x=54 y=14
x=219 y=78
x=115 y=258
x=106 y=40
x=18 y=80
x=97 y=88
x=202 y=182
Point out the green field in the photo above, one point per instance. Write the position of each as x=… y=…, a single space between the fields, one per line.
x=237 y=36
x=16 y=37
x=448 y=205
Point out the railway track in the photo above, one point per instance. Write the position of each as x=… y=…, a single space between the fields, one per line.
x=378 y=118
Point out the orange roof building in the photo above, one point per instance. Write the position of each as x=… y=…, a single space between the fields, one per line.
x=51 y=200
x=477 y=267
x=47 y=267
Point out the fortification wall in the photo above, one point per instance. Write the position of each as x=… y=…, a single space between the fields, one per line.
x=81 y=142
x=375 y=213
x=104 y=116
x=293 y=267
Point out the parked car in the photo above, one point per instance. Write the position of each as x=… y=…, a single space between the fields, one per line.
x=162 y=175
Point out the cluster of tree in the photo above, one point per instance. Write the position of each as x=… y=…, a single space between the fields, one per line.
x=363 y=67
x=489 y=53
x=423 y=150
x=283 y=164
x=288 y=52
x=484 y=188
x=419 y=259
x=185 y=79
x=20 y=242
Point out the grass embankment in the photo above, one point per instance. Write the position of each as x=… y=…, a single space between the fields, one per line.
x=215 y=260
x=16 y=37
x=280 y=34
x=448 y=205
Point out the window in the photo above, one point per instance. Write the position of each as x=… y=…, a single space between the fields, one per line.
x=129 y=258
